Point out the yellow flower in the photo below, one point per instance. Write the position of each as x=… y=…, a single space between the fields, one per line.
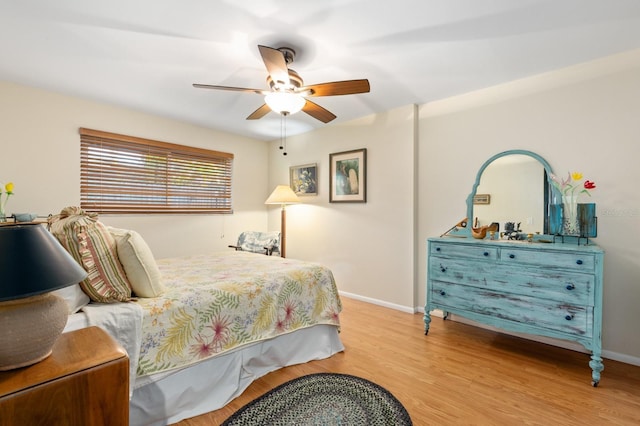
x=9 y=188
x=576 y=175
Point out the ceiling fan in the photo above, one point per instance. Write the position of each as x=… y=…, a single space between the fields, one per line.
x=287 y=92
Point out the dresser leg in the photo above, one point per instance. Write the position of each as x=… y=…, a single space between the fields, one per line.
x=596 y=367
x=427 y=321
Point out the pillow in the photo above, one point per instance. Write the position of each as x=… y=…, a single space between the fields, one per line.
x=138 y=263
x=74 y=296
x=94 y=248
x=256 y=241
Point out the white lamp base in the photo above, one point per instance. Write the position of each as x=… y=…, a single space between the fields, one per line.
x=28 y=329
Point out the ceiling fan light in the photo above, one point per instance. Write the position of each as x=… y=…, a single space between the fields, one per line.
x=283 y=102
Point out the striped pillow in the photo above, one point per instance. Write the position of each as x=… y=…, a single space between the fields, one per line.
x=94 y=248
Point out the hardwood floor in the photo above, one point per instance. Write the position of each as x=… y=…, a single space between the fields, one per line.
x=460 y=374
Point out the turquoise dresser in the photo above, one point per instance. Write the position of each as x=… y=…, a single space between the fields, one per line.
x=545 y=289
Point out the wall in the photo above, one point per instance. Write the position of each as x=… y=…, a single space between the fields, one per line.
x=584 y=118
x=369 y=246
x=41 y=155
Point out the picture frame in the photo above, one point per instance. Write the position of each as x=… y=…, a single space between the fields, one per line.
x=482 y=199
x=303 y=179
x=348 y=176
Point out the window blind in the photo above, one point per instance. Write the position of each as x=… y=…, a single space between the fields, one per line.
x=126 y=174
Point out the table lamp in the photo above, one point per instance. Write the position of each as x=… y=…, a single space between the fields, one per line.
x=283 y=195
x=32 y=264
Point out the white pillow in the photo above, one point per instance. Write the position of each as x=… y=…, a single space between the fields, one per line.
x=74 y=296
x=138 y=263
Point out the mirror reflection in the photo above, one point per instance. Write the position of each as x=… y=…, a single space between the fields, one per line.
x=512 y=188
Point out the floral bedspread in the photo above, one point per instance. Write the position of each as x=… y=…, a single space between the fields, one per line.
x=217 y=302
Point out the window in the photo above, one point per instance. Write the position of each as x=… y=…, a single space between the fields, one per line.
x=125 y=174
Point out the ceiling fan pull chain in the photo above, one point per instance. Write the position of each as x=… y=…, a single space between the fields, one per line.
x=281 y=130
x=284 y=132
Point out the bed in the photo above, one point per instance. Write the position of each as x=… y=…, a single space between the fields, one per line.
x=222 y=321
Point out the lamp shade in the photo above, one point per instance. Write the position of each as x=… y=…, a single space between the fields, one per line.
x=283 y=194
x=33 y=262
x=284 y=102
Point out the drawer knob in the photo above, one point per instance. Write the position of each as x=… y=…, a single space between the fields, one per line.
x=579 y=262
x=437 y=248
x=486 y=253
x=512 y=256
x=443 y=293
x=443 y=269
x=570 y=286
x=568 y=317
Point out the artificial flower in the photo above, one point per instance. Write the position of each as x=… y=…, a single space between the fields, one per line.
x=571 y=188
x=570 y=185
x=8 y=191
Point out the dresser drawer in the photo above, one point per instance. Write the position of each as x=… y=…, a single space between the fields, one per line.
x=461 y=250
x=584 y=262
x=562 y=286
x=542 y=313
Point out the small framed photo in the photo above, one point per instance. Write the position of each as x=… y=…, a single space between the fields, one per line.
x=348 y=176
x=482 y=199
x=304 y=179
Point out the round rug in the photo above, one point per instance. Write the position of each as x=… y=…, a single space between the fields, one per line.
x=323 y=399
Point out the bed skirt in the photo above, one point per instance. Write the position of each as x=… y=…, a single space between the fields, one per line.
x=211 y=384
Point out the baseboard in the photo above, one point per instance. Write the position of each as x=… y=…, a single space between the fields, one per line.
x=616 y=356
x=382 y=303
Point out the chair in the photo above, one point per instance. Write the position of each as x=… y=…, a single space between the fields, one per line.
x=258 y=242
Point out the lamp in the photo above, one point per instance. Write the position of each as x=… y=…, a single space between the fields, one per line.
x=283 y=194
x=32 y=264
x=284 y=102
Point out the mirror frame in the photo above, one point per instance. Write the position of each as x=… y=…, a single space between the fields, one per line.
x=554 y=194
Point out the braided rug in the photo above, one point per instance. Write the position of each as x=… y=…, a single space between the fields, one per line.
x=323 y=399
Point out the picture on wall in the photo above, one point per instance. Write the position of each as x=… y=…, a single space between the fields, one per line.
x=482 y=199
x=304 y=179
x=348 y=176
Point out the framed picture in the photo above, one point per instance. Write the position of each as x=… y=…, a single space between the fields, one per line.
x=348 y=176
x=304 y=179
x=482 y=199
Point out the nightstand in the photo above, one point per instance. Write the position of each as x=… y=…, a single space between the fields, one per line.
x=84 y=382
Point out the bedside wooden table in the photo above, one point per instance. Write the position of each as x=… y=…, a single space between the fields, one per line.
x=85 y=381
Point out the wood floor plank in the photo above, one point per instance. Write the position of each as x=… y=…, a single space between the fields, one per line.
x=461 y=374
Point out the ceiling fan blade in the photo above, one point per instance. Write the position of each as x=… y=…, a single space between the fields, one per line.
x=259 y=113
x=317 y=112
x=276 y=64
x=347 y=87
x=233 y=89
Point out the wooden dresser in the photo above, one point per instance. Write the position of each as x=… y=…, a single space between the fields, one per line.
x=546 y=289
x=84 y=382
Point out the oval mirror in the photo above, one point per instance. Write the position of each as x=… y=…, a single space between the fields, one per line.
x=512 y=186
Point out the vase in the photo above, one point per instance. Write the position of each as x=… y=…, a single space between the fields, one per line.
x=570 y=223
x=587 y=220
x=555 y=219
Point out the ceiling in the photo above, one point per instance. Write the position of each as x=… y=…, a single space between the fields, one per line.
x=145 y=54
